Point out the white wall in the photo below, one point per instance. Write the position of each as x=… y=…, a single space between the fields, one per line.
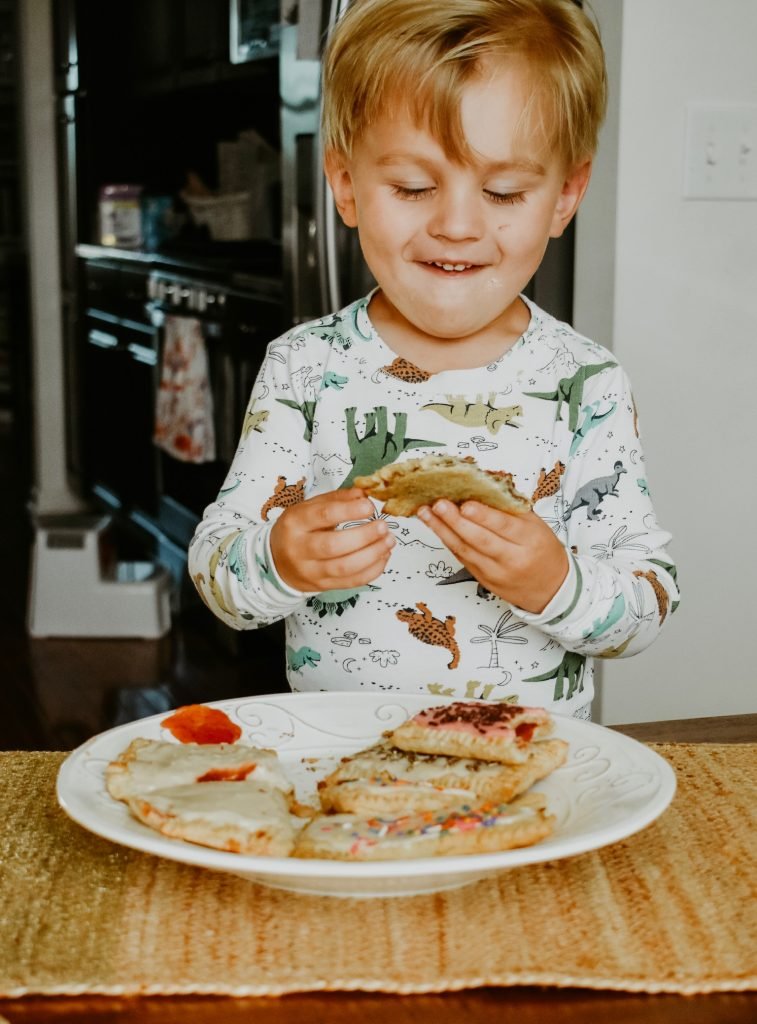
x=675 y=283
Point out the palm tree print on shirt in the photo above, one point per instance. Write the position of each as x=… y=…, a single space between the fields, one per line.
x=503 y=632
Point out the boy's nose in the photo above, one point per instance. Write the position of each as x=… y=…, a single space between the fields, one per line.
x=456 y=217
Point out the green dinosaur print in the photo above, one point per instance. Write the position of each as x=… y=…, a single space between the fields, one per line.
x=267 y=573
x=643 y=485
x=459 y=410
x=254 y=420
x=474 y=690
x=672 y=571
x=336 y=602
x=616 y=652
x=592 y=419
x=265 y=570
x=237 y=559
x=438 y=690
x=379 y=446
x=308 y=413
x=355 y=314
x=331 y=330
x=215 y=589
x=570 y=670
x=465 y=576
x=570 y=391
x=602 y=625
x=333 y=380
x=297 y=660
x=227 y=490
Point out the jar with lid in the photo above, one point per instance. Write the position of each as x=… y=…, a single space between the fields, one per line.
x=120 y=216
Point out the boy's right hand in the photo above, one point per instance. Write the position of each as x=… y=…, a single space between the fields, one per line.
x=311 y=555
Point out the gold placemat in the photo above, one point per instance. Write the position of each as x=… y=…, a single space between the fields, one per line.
x=671 y=909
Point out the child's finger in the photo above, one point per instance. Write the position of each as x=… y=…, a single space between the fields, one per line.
x=477 y=538
x=504 y=524
x=448 y=535
x=327 y=544
x=359 y=567
x=326 y=511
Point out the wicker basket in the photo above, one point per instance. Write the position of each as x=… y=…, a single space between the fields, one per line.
x=227 y=217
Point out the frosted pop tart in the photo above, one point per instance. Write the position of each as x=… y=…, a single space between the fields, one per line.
x=491 y=732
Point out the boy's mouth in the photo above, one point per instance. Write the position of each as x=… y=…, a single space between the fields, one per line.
x=451 y=268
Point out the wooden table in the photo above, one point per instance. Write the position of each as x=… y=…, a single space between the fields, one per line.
x=475 y=1006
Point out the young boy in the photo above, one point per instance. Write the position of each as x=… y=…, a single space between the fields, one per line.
x=458 y=140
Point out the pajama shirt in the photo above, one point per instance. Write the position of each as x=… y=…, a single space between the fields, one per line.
x=333 y=402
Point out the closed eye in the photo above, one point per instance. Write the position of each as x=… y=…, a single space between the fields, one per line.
x=412 y=193
x=501 y=198
x=505 y=198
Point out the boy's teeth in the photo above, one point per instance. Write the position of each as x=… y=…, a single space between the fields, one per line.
x=452 y=266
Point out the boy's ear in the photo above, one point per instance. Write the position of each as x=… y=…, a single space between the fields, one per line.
x=338 y=174
x=569 y=200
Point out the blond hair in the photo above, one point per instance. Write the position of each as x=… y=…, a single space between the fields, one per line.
x=424 y=52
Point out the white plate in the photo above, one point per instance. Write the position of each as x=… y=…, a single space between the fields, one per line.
x=610 y=787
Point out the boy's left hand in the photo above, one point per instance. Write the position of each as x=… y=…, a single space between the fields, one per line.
x=516 y=557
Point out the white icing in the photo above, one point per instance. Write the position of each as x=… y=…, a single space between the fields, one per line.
x=220 y=804
x=159 y=765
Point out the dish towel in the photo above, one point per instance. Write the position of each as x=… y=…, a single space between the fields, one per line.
x=184 y=408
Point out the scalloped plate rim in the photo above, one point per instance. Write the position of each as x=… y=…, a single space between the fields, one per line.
x=137 y=836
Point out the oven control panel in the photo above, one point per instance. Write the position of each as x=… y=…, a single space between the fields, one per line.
x=185 y=295
x=220 y=307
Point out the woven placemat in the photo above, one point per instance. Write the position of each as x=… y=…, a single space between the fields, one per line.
x=671 y=909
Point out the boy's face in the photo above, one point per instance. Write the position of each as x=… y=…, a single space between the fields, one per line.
x=452 y=245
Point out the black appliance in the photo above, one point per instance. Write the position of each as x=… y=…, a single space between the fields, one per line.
x=237 y=323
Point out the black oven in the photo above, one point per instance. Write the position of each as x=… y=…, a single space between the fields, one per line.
x=237 y=323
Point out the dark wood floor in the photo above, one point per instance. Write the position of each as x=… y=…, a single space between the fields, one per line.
x=56 y=693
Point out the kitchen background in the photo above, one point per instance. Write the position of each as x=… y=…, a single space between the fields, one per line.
x=204 y=114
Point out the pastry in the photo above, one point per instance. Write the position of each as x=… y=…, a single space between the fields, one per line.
x=239 y=817
x=147 y=765
x=386 y=781
x=492 y=732
x=441 y=833
x=405 y=486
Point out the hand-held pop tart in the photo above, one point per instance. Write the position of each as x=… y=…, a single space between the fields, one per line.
x=405 y=486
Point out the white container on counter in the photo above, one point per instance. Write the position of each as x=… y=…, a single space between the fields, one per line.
x=78 y=588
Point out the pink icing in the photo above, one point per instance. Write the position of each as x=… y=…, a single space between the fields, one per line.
x=504 y=721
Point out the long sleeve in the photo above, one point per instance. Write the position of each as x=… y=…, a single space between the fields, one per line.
x=229 y=556
x=555 y=411
x=621 y=587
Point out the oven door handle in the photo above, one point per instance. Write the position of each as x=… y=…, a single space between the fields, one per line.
x=142 y=354
x=155 y=314
x=210 y=328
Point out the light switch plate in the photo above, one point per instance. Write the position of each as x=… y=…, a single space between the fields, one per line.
x=721 y=151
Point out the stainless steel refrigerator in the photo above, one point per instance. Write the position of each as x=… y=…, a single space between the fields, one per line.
x=323 y=267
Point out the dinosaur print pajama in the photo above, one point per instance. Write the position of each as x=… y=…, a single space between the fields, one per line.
x=333 y=402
